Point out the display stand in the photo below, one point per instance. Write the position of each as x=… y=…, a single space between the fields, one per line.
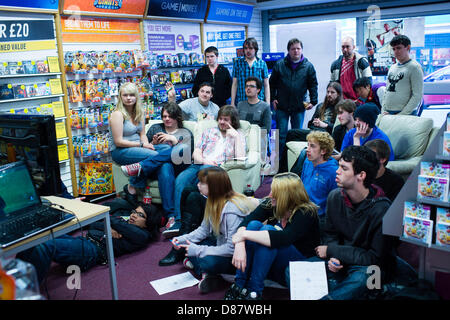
x=432 y=258
x=31 y=77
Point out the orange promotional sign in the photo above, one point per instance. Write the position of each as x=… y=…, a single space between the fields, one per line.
x=106 y=7
x=86 y=30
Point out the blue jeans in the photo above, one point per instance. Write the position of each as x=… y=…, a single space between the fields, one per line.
x=212 y=264
x=265 y=262
x=155 y=164
x=125 y=156
x=185 y=178
x=65 y=250
x=350 y=283
x=166 y=174
x=282 y=118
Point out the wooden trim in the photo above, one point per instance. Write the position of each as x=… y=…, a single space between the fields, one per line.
x=66 y=103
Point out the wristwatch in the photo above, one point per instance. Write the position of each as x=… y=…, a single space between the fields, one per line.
x=142 y=144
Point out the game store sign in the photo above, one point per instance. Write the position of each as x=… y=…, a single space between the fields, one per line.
x=178 y=9
x=18 y=35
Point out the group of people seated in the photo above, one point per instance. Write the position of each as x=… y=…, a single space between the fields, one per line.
x=328 y=207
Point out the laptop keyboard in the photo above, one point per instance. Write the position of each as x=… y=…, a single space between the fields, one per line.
x=29 y=223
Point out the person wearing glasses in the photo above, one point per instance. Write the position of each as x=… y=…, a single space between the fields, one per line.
x=217 y=75
x=255 y=110
x=263 y=250
x=132 y=228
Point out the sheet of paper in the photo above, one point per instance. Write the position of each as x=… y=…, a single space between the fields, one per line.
x=308 y=280
x=173 y=283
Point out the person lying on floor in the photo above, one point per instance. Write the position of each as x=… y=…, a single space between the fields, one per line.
x=209 y=248
x=131 y=230
x=265 y=250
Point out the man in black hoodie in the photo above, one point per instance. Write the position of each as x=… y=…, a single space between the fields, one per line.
x=353 y=237
x=132 y=228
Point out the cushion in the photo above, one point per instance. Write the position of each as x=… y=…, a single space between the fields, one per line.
x=409 y=135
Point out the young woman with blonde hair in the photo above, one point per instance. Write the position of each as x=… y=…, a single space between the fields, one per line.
x=264 y=250
x=209 y=248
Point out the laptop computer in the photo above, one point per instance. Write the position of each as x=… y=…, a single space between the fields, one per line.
x=22 y=213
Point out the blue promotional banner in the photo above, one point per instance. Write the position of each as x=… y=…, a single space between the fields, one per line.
x=179 y=9
x=229 y=12
x=31 y=4
x=19 y=30
x=226 y=39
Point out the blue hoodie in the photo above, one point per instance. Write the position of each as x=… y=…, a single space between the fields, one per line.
x=319 y=181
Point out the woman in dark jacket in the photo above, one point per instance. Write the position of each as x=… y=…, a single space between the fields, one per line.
x=264 y=250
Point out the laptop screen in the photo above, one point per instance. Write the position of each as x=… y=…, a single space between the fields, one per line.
x=17 y=191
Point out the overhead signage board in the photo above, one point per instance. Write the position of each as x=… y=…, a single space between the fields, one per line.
x=173 y=36
x=229 y=12
x=194 y=10
x=46 y=5
x=29 y=35
x=95 y=30
x=131 y=8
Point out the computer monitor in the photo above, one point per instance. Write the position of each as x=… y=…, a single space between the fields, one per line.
x=32 y=138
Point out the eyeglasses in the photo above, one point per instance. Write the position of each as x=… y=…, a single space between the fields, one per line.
x=140 y=214
x=250 y=86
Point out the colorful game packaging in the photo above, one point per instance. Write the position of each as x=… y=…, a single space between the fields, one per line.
x=446 y=144
x=30 y=67
x=432 y=188
x=443 y=215
x=413 y=209
x=140 y=59
x=435 y=169
x=443 y=234
x=31 y=90
x=418 y=229
x=6 y=91
x=42 y=66
x=19 y=91
x=3 y=68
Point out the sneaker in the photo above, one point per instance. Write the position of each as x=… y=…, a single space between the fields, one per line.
x=170 y=222
x=209 y=283
x=188 y=264
x=253 y=296
x=173 y=231
x=235 y=293
x=131 y=170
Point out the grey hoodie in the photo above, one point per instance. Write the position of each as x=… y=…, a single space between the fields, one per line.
x=230 y=220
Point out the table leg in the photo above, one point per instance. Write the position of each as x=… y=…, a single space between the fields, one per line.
x=110 y=253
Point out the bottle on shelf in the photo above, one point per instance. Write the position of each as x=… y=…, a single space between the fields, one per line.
x=147 y=198
x=248 y=191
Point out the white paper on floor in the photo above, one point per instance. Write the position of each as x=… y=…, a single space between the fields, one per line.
x=173 y=283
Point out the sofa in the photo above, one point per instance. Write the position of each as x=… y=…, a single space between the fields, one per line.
x=410 y=136
x=241 y=172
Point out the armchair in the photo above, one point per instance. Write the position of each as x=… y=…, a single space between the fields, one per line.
x=241 y=172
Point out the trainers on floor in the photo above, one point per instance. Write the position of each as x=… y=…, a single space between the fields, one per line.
x=253 y=296
x=131 y=170
x=173 y=231
x=209 y=283
x=235 y=293
x=170 y=222
x=188 y=264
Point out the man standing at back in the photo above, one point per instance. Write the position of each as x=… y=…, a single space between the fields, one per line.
x=292 y=77
x=249 y=66
x=349 y=67
x=217 y=75
x=404 y=85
